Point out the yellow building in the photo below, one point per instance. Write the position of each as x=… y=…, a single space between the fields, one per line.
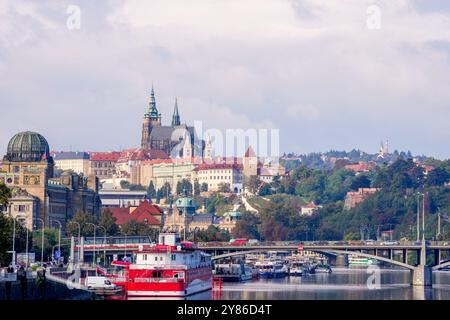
x=217 y=174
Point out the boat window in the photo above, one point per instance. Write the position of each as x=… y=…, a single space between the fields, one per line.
x=160 y=258
x=156 y=258
x=174 y=257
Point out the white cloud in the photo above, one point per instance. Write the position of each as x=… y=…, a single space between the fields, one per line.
x=232 y=63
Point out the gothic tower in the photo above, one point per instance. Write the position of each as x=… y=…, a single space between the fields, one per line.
x=176 y=116
x=208 y=149
x=152 y=118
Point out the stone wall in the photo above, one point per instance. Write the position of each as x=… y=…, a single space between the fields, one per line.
x=53 y=291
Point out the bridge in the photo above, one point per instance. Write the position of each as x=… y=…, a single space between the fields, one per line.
x=420 y=258
x=421 y=271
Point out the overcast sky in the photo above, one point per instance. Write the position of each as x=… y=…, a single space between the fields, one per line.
x=312 y=68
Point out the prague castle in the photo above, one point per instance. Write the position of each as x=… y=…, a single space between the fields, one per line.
x=27 y=169
x=176 y=140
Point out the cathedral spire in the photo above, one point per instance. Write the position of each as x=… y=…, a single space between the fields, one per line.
x=153 y=111
x=176 y=116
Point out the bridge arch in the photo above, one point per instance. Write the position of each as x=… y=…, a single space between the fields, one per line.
x=441 y=266
x=335 y=251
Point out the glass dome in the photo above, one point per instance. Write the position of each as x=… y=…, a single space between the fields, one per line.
x=28 y=147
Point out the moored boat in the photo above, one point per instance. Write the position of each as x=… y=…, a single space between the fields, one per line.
x=169 y=269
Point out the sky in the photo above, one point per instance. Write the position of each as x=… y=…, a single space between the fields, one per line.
x=327 y=74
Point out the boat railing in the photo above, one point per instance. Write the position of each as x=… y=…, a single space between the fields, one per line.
x=170 y=280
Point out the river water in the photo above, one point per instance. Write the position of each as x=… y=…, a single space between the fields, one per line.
x=342 y=284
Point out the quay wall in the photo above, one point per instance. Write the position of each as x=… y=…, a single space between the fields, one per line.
x=53 y=291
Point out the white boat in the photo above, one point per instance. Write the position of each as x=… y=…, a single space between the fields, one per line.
x=270 y=269
x=232 y=272
x=360 y=261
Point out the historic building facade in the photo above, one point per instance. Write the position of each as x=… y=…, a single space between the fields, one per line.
x=28 y=169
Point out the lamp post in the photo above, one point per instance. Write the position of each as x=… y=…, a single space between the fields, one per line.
x=95 y=228
x=26 y=251
x=42 y=239
x=59 y=237
x=418 y=217
x=420 y=194
x=104 y=244
x=14 y=244
x=79 y=235
x=125 y=242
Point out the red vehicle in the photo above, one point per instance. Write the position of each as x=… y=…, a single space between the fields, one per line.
x=238 y=242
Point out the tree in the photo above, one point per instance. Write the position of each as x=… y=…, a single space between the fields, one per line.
x=184 y=186
x=265 y=190
x=213 y=233
x=108 y=221
x=247 y=226
x=204 y=187
x=6 y=234
x=253 y=184
x=5 y=195
x=151 y=191
x=360 y=181
x=50 y=242
x=196 y=188
x=82 y=218
x=164 y=192
x=224 y=187
x=135 y=228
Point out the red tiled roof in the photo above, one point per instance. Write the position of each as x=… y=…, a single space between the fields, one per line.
x=249 y=153
x=145 y=212
x=141 y=155
x=357 y=167
x=105 y=156
x=212 y=166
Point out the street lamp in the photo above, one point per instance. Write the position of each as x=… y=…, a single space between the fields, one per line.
x=42 y=240
x=104 y=244
x=95 y=227
x=420 y=194
x=14 y=244
x=79 y=236
x=59 y=238
x=125 y=242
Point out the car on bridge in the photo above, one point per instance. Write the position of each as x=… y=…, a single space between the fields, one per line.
x=238 y=242
x=389 y=243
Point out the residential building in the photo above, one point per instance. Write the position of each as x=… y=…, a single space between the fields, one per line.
x=217 y=174
x=77 y=162
x=146 y=212
x=103 y=164
x=309 y=209
x=121 y=198
x=353 y=198
x=228 y=220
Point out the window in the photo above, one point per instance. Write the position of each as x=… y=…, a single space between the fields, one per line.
x=174 y=257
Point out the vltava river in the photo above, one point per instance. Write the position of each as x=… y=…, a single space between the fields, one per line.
x=343 y=283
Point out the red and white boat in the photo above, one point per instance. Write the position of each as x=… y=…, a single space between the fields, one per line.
x=168 y=269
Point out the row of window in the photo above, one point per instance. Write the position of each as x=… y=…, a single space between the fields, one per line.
x=21 y=208
x=216 y=178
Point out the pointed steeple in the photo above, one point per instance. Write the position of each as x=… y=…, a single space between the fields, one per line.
x=176 y=116
x=153 y=111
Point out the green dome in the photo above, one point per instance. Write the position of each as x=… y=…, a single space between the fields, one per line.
x=29 y=147
x=185 y=202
